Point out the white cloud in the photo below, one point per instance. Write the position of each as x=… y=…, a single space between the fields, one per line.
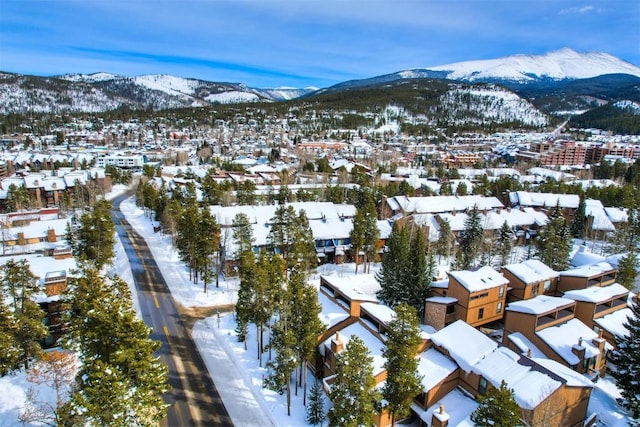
x=580 y=10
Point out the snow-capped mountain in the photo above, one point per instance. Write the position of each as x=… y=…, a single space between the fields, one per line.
x=557 y=65
x=515 y=71
x=105 y=91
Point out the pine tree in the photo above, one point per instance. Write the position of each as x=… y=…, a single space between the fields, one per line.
x=18 y=286
x=315 y=408
x=554 y=243
x=96 y=236
x=120 y=377
x=10 y=354
x=283 y=340
x=470 y=239
x=626 y=359
x=419 y=271
x=242 y=234
x=628 y=269
x=443 y=245
x=498 y=407
x=305 y=322
x=504 y=243
x=353 y=391
x=356 y=236
x=579 y=221
x=403 y=383
x=392 y=272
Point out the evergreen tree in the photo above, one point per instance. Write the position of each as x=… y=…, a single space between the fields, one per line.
x=305 y=322
x=443 y=245
x=504 y=242
x=96 y=236
x=470 y=239
x=246 y=296
x=10 y=354
x=242 y=234
x=207 y=236
x=211 y=191
x=353 y=391
x=626 y=359
x=291 y=236
x=554 y=243
x=186 y=243
x=267 y=288
x=628 y=269
x=315 y=408
x=246 y=193
x=356 y=236
x=498 y=407
x=25 y=317
x=419 y=271
x=392 y=272
x=579 y=221
x=120 y=379
x=403 y=383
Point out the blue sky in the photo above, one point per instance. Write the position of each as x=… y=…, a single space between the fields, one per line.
x=299 y=43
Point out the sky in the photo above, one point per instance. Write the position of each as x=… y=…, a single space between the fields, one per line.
x=299 y=43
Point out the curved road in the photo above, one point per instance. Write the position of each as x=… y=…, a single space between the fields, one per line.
x=193 y=400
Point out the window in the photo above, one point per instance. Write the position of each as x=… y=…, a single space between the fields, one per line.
x=501 y=291
x=451 y=308
x=499 y=309
x=534 y=290
x=482 y=386
x=478 y=296
x=547 y=285
x=480 y=313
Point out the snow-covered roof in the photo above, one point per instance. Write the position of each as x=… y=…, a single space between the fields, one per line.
x=530 y=386
x=549 y=200
x=381 y=312
x=440 y=204
x=601 y=220
x=525 y=345
x=562 y=338
x=539 y=305
x=531 y=271
x=372 y=342
x=465 y=344
x=614 y=322
x=442 y=300
x=483 y=278
x=457 y=405
x=597 y=294
x=331 y=313
x=616 y=214
x=434 y=367
x=583 y=256
x=572 y=378
x=361 y=287
x=517 y=217
x=539 y=217
x=588 y=270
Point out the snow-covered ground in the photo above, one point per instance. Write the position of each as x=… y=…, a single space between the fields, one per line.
x=234 y=369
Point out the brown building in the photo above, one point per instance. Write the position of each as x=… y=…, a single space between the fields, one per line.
x=600 y=274
x=480 y=295
x=462 y=358
x=548 y=325
x=529 y=279
x=603 y=309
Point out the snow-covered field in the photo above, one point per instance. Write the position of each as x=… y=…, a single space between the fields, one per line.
x=234 y=369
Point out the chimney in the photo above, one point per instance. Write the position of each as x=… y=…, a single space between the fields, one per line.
x=21 y=239
x=529 y=353
x=336 y=343
x=440 y=418
x=51 y=235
